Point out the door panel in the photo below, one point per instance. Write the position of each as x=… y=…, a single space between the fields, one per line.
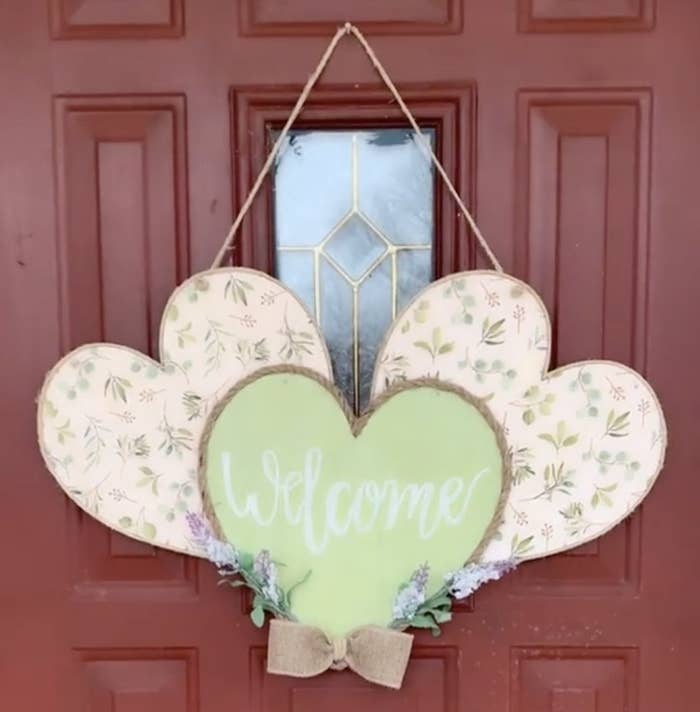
x=122 y=197
x=583 y=180
x=109 y=19
x=130 y=130
x=315 y=17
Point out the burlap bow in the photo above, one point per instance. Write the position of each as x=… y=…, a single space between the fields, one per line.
x=377 y=654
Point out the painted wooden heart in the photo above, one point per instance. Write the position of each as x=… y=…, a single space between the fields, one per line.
x=420 y=478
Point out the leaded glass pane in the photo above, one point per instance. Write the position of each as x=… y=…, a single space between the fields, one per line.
x=355 y=247
x=354 y=231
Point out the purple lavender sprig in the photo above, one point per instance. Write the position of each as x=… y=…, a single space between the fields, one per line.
x=265 y=571
x=238 y=568
x=222 y=554
x=413 y=608
x=199 y=529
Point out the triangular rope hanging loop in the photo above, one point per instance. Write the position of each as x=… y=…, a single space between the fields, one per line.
x=349 y=29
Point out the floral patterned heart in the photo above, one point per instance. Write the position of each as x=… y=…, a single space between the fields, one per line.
x=120 y=432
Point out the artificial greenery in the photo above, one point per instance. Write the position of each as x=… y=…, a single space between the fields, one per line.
x=254 y=573
x=238 y=568
x=413 y=608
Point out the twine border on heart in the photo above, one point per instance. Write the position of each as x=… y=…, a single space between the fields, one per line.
x=356 y=425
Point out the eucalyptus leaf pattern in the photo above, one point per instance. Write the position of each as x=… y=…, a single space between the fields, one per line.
x=595 y=452
x=120 y=432
x=480 y=330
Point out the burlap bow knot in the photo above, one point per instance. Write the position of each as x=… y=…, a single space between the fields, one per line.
x=377 y=654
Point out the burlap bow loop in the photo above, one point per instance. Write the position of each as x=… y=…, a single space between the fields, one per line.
x=379 y=655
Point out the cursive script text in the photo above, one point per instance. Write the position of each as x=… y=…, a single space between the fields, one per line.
x=358 y=507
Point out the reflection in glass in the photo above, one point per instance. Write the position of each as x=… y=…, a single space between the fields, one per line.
x=354 y=226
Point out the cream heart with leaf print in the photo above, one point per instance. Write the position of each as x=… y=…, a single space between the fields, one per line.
x=120 y=432
x=587 y=440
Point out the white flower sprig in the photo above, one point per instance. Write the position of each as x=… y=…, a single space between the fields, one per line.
x=465 y=581
x=238 y=568
x=412 y=595
x=413 y=608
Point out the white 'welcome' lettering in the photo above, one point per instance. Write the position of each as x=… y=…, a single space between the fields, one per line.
x=292 y=497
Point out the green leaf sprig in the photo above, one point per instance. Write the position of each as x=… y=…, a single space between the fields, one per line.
x=268 y=596
x=436 y=610
x=240 y=569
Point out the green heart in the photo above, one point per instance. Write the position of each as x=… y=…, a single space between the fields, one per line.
x=360 y=504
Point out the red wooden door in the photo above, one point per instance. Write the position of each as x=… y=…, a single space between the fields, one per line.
x=129 y=129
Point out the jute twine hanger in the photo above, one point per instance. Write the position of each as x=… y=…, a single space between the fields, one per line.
x=349 y=29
